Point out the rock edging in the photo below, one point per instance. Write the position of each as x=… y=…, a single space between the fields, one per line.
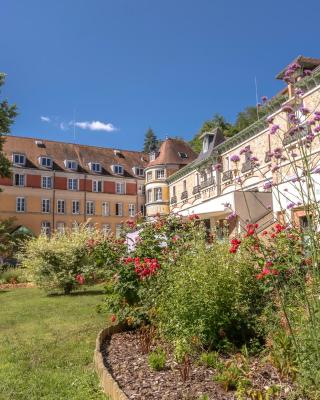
x=109 y=386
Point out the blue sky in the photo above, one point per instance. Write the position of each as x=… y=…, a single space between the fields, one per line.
x=126 y=65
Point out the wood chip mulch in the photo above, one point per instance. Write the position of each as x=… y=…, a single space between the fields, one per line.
x=129 y=367
x=17 y=285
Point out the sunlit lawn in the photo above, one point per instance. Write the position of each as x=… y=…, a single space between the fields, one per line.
x=46 y=345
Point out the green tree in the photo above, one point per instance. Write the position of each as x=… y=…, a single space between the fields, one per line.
x=246 y=118
x=10 y=238
x=7 y=116
x=151 y=143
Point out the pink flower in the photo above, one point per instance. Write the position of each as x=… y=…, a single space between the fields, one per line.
x=80 y=279
x=235 y=158
x=274 y=129
x=113 y=318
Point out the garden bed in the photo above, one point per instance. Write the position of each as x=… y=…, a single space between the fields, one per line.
x=129 y=367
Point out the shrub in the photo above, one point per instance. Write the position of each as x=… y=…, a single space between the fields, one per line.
x=211 y=297
x=65 y=261
x=211 y=360
x=12 y=275
x=157 y=359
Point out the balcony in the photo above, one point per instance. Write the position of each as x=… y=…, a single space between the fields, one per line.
x=196 y=189
x=289 y=138
x=184 y=195
x=208 y=182
x=173 y=200
x=246 y=166
x=227 y=176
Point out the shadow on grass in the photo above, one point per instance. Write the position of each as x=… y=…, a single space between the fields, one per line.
x=75 y=294
x=4 y=291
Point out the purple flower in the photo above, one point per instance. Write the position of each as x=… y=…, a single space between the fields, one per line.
x=307 y=72
x=310 y=137
x=293 y=119
x=287 y=108
x=277 y=153
x=317 y=129
x=235 y=158
x=264 y=99
x=292 y=131
x=316 y=170
x=274 y=129
x=317 y=117
x=299 y=92
x=226 y=205
x=231 y=216
x=290 y=205
x=254 y=159
x=304 y=110
x=243 y=151
x=238 y=180
x=295 y=179
x=267 y=185
x=217 y=167
x=311 y=122
x=270 y=119
x=275 y=168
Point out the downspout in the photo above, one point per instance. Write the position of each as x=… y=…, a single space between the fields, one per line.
x=53 y=199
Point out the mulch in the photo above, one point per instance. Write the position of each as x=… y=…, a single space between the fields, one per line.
x=129 y=367
x=16 y=285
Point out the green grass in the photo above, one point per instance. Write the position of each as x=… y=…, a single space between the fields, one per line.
x=47 y=344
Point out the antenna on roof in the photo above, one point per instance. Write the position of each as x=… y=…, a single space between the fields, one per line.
x=257 y=103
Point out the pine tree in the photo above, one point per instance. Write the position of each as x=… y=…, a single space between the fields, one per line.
x=7 y=116
x=151 y=143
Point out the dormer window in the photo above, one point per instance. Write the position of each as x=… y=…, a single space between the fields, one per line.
x=45 y=162
x=183 y=155
x=152 y=156
x=18 y=159
x=118 y=169
x=139 y=171
x=205 y=144
x=95 y=167
x=71 y=164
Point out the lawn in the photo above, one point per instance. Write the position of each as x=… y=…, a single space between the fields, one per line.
x=46 y=345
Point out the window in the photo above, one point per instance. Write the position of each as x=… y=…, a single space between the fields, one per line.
x=118 y=169
x=141 y=190
x=90 y=207
x=105 y=209
x=75 y=226
x=152 y=156
x=173 y=190
x=73 y=184
x=61 y=205
x=106 y=229
x=97 y=186
x=18 y=179
x=46 y=162
x=46 y=182
x=149 y=195
x=132 y=210
x=71 y=164
x=118 y=230
x=119 y=187
x=95 y=167
x=183 y=155
x=205 y=144
x=90 y=227
x=160 y=173
x=18 y=159
x=75 y=207
x=119 y=209
x=227 y=163
x=142 y=209
x=184 y=185
x=45 y=206
x=60 y=227
x=149 y=176
x=158 y=194
x=46 y=228
x=20 y=204
x=139 y=171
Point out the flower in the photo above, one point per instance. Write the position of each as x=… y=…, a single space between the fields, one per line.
x=274 y=129
x=231 y=216
x=264 y=99
x=235 y=243
x=113 y=318
x=267 y=185
x=287 y=108
x=235 y=158
x=175 y=238
x=218 y=167
x=270 y=119
x=304 y=110
x=80 y=279
x=299 y=92
x=290 y=205
x=307 y=72
x=193 y=217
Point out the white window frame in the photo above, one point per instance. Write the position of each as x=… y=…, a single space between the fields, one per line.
x=160 y=173
x=47 y=164
x=45 y=206
x=106 y=228
x=60 y=227
x=95 y=186
x=44 y=182
x=120 y=188
x=71 y=164
x=158 y=194
x=90 y=207
x=75 y=209
x=95 y=167
x=21 y=179
x=46 y=228
x=149 y=176
x=105 y=209
x=132 y=210
x=21 y=159
x=119 y=209
x=149 y=195
x=61 y=206
x=118 y=230
x=20 y=204
x=118 y=169
x=139 y=171
x=71 y=184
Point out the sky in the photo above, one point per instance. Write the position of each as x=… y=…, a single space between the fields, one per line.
x=101 y=72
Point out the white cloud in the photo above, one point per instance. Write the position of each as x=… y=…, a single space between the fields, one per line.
x=63 y=126
x=45 y=119
x=96 y=126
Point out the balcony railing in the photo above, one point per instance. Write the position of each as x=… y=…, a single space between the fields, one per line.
x=207 y=183
x=196 y=189
x=173 y=200
x=289 y=138
x=184 y=195
x=227 y=176
x=246 y=166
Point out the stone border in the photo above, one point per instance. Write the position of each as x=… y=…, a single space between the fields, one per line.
x=109 y=386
